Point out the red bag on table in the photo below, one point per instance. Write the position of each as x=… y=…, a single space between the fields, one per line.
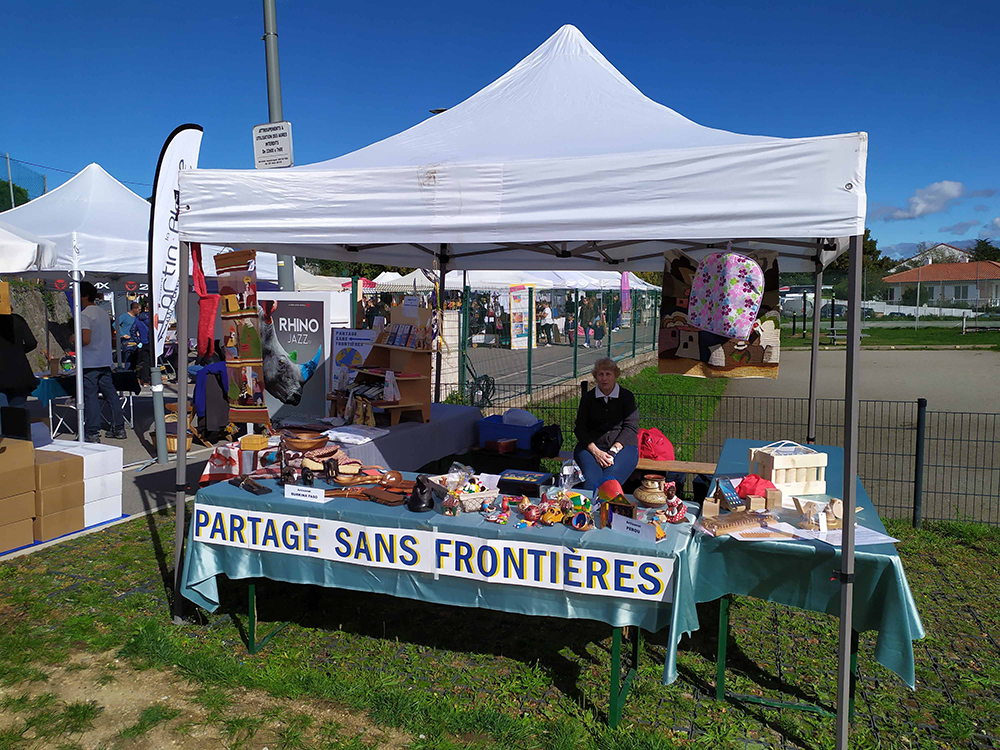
x=655 y=446
x=753 y=485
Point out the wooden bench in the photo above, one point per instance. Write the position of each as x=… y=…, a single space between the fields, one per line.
x=681 y=467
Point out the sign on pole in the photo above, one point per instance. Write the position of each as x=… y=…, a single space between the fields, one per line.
x=272 y=145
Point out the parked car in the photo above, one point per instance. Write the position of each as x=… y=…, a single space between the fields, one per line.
x=896 y=315
x=839 y=311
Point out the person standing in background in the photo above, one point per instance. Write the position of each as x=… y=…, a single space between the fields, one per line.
x=17 y=381
x=143 y=356
x=124 y=327
x=545 y=323
x=94 y=356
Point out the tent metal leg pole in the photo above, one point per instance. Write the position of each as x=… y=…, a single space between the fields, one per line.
x=77 y=277
x=813 y=353
x=846 y=572
x=442 y=270
x=180 y=486
x=114 y=327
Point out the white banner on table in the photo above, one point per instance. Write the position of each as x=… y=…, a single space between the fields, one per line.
x=489 y=561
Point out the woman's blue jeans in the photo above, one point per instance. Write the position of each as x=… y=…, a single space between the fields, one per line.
x=594 y=476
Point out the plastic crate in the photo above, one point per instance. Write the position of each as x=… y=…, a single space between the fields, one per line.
x=493 y=428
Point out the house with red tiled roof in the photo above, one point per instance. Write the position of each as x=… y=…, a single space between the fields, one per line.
x=975 y=281
x=939 y=253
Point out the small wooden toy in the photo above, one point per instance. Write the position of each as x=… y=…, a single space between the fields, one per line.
x=742 y=520
x=450 y=506
x=756 y=502
x=772 y=499
x=792 y=468
x=710 y=507
x=308 y=477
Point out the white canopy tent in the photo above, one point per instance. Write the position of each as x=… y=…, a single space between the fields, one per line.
x=561 y=164
x=97 y=226
x=21 y=251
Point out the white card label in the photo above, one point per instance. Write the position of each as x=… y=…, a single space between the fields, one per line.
x=638 y=529
x=310 y=494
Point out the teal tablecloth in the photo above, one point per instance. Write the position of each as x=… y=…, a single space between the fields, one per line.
x=798 y=573
x=205 y=561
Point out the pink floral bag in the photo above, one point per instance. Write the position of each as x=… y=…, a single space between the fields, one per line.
x=725 y=294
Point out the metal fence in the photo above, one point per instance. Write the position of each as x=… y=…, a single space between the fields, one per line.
x=484 y=336
x=19 y=183
x=956 y=475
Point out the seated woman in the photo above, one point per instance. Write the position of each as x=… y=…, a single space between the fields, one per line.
x=607 y=429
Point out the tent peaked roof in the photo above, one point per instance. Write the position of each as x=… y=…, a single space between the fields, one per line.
x=560 y=164
x=566 y=95
x=111 y=224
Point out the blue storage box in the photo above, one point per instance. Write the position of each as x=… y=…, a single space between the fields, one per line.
x=493 y=428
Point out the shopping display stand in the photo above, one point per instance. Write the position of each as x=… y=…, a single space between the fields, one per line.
x=414 y=364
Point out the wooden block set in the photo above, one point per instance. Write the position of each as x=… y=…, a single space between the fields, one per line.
x=792 y=468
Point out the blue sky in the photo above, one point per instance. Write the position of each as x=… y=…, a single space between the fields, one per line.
x=106 y=82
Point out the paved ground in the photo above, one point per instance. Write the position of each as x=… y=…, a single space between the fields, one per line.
x=951 y=380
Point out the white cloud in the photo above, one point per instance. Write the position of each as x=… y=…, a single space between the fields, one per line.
x=985 y=193
x=980 y=208
x=990 y=229
x=960 y=228
x=932 y=199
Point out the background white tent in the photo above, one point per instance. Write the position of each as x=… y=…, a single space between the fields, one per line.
x=563 y=164
x=20 y=250
x=97 y=225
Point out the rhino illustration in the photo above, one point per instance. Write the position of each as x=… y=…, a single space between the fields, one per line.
x=283 y=377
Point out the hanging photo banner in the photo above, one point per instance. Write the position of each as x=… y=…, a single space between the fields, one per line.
x=241 y=340
x=686 y=349
x=179 y=152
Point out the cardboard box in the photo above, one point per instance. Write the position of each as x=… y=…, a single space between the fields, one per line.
x=17 y=467
x=58 y=499
x=104 y=486
x=17 y=508
x=57 y=524
x=14 y=535
x=4 y=298
x=98 y=459
x=55 y=468
x=100 y=511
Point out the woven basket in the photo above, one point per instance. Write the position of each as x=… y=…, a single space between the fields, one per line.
x=253 y=442
x=172 y=443
x=471 y=502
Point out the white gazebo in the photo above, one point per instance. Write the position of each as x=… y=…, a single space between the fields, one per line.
x=560 y=164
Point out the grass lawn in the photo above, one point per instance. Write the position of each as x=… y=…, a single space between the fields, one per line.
x=89 y=658
x=681 y=407
x=901 y=336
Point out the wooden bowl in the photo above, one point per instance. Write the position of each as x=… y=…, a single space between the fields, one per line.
x=302 y=440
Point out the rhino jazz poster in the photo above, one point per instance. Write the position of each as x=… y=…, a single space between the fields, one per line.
x=295 y=337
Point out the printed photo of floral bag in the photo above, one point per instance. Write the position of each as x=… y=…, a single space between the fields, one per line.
x=726 y=293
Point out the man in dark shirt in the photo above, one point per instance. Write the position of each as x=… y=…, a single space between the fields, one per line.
x=607 y=429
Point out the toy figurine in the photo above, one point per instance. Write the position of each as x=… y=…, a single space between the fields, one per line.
x=450 y=506
x=502 y=515
x=551 y=516
x=287 y=476
x=308 y=477
x=331 y=467
x=523 y=524
x=524 y=504
x=532 y=513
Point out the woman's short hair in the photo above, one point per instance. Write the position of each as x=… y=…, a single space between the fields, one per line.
x=606 y=363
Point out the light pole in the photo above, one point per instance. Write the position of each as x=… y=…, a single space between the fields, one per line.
x=286 y=263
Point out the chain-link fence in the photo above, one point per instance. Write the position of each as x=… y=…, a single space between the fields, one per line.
x=19 y=183
x=531 y=338
x=914 y=463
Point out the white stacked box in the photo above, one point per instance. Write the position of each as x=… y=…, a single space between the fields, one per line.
x=102 y=478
